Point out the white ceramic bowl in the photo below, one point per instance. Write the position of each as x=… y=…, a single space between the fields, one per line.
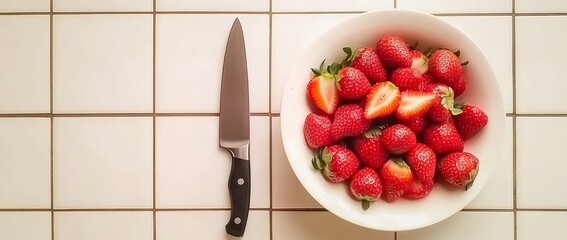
x=364 y=30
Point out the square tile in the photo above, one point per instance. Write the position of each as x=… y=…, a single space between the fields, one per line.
x=177 y=225
x=467 y=226
x=498 y=193
x=189 y=66
x=24 y=5
x=25 y=162
x=541 y=225
x=493 y=35
x=541 y=6
x=190 y=164
x=24 y=64
x=457 y=6
x=102 y=5
x=325 y=5
x=287 y=191
x=537 y=69
x=103 y=225
x=539 y=147
x=292 y=34
x=102 y=162
x=102 y=63
x=25 y=225
x=213 y=5
x=319 y=226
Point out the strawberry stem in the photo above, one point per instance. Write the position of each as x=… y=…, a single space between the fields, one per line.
x=365 y=204
x=457 y=53
x=465 y=63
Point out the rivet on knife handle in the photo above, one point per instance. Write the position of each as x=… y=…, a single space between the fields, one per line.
x=239 y=190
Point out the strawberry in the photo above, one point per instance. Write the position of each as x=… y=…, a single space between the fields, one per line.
x=443 y=138
x=419 y=61
x=428 y=78
x=422 y=160
x=459 y=86
x=317 y=131
x=338 y=163
x=418 y=189
x=369 y=149
x=366 y=186
x=383 y=99
x=414 y=104
x=445 y=66
x=459 y=169
x=367 y=61
x=398 y=139
x=416 y=125
x=407 y=79
x=470 y=122
x=352 y=83
x=322 y=90
x=396 y=179
x=349 y=121
x=394 y=52
x=443 y=105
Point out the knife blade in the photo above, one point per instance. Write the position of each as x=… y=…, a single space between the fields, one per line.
x=234 y=128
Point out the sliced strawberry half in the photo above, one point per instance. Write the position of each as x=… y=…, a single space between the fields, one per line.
x=419 y=61
x=384 y=98
x=322 y=90
x=418 y=189
x=414 y=104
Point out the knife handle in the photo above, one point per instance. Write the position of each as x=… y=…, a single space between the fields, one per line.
x=239 y=190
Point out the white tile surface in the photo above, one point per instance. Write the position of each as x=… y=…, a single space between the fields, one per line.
x=545 y=6
x=493 y=35
x=102 y=162
x=189 y=65
x=467 y=226
x=24 y=163
x=287 y=191
x=24 y=6
x=102 y=63
x=213 y=5
x=184 y=225
x=291 y=35
x=103 y=225
x=192 y=171
x=539 y=162
x=324 y=5
x=539 y=68
x=541 y=225
x=102 y=5
x=457 y=6
x=25 y=225
x=319 y=226
x=24 y=64
x=498 y=192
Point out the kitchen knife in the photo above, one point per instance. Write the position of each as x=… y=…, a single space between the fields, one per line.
x=234 y=128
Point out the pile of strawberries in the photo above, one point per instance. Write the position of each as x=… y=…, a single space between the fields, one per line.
x=385 y=121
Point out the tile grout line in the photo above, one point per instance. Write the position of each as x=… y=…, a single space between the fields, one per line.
x=479 y=210
x=51 y=118
x=514 y=111
x=395 y=6
x=281 y=12
x=154 y=214
x=270 y=164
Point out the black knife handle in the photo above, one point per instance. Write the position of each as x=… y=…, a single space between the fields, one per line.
x=239 y=190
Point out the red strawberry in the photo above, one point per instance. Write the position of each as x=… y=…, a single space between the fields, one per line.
x=418 y=189
x=443 y=105
x=394 y=52
x=419 y=61
x=322 y=90
x=396 y=179
x=470 y=122
x=337 y=163
x=445 y=66
x=459 y=169
x=459 y=86
x=349 y=121
x=417 y=125
x=384 y=98
x=443 y=138
x=369 y=149
x=422 y=160
x=414 y=104
x=317 y=131
x=366 y=186
x=398 y=139
x=428 y=78
x=367 y=61
x=407 y=79
x=352 y=83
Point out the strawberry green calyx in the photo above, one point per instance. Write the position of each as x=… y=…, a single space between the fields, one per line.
x=328 y=72
x=321 y=159
x=400 y=162
x=472 y=177
x=372 y=132
x=365 y=204
x=448 y=100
